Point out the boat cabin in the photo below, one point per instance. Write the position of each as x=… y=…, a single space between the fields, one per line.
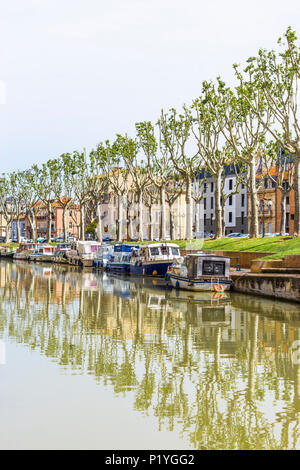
x=157 y=251
x=199 y=265
x=86 y=249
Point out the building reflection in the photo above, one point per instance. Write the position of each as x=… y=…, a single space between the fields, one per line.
x=220 y=369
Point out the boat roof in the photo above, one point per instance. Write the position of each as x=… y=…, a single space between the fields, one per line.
x=88 y=242
x=207 y=255
x=153 y=245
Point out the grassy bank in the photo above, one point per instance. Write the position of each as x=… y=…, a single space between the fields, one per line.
x=278 y=246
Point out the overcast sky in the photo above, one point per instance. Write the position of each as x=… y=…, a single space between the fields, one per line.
x=75 y=72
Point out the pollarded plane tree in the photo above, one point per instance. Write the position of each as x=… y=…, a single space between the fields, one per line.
x=98 y=186
x=7 y=204
x=243 y=132
x=282 y=178
x=215 y=153
x=276 y=75
x=174 y=189
x=176 y=135
x=44 y=181
x=159 y=164
x=17 y=198
x=151 y=196
x=64 y=191
x=81 y=180
x=138 y=171
x=30 y=198
x=112 y=162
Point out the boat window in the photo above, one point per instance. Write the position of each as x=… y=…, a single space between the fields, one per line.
x=214 y=267
x=154 y=251
x=175 y=251
x=164 y=250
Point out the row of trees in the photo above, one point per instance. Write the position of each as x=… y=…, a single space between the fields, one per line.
x=243 y=127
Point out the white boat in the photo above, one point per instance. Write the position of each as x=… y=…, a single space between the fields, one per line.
x=154 y=259
x=83 y=253
x=201 y=272
x=60 y=254
x=121 y=257
x=103 y=256
x=24 y=250
x=43 y=253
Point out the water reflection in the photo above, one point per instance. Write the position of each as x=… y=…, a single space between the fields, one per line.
x=219 y=370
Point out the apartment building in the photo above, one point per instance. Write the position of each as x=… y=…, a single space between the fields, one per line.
x=236 y=205
x=41 y=215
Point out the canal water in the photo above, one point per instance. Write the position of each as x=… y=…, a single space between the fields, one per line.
x=91 y=361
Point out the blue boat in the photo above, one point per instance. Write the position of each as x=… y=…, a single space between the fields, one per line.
x=120 y=260
x=154 y=259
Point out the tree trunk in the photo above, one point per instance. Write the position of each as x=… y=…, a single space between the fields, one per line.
x=218 y=208
x=197 y=219
x=163 y=214
x=99 y=226
x=7 y=228
x=283 y=213
x=32 y=223
x=82 y=221
x=18 y=229
x=297 y=196
x=223 y=217
x=253 y=199
x=49 y=219
x=64 y=223
x=189 y=215
x=140 y=233
x=171 y=218
x=150 y=223
x=119 y=221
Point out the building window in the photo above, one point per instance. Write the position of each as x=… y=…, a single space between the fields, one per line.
x=204 y=201
x=211 y=219
x=211 y=202
x=243 y=186
x=211 y=187
x=243 y=200
x=242 y=216
x=261 y=205
x=230 y=216
x=230 y=184
x=292 y=216
x=70 y=225
x=70 y=213
x=205 y=188
x=230 y=200
x=266 y=183
x=204 y=219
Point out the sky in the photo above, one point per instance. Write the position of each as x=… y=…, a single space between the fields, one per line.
x=76 y=72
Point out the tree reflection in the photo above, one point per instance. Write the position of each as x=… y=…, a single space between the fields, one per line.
x=221 y=373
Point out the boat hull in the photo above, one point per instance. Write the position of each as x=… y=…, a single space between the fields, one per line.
x=205 y=284
x=151 y=269
x=118 y=267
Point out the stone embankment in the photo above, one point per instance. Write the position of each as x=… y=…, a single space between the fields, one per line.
x=281 y=286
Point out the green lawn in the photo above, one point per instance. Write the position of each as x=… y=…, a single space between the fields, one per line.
x=279 y=246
